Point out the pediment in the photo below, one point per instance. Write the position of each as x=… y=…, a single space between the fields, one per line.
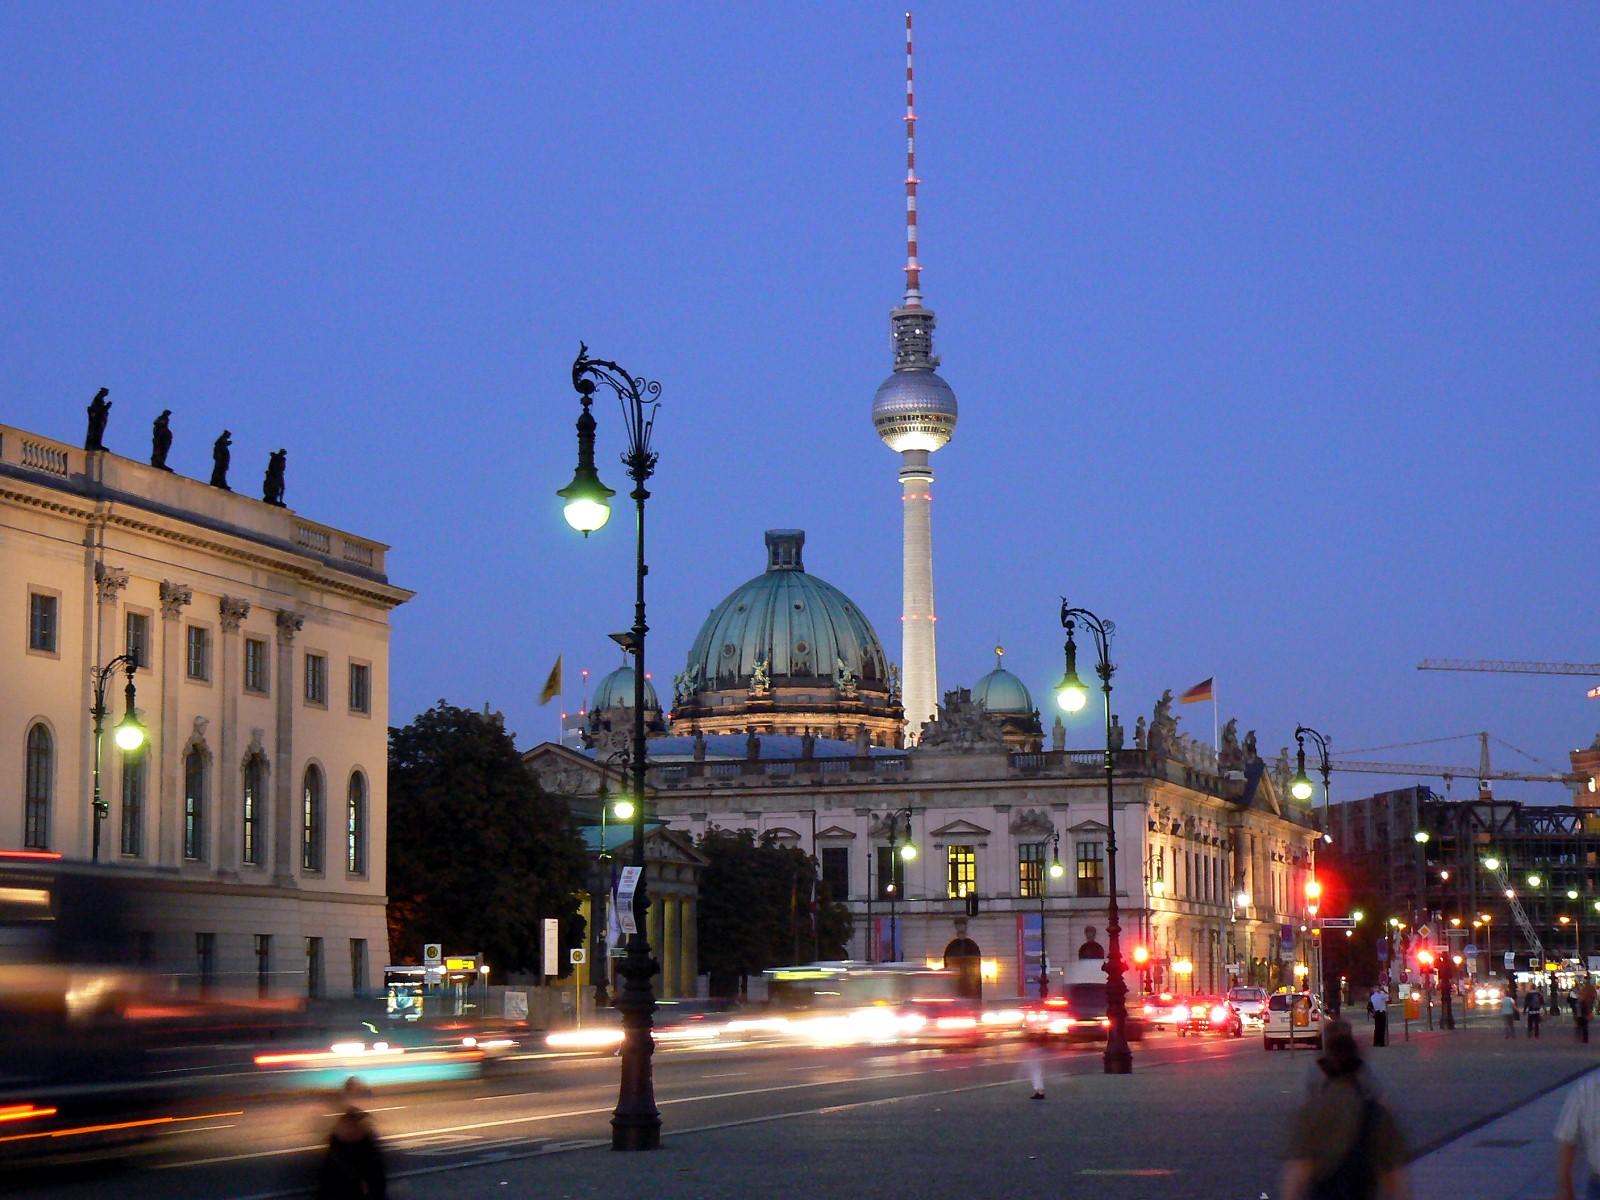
x=1031 y=821
x=959 y=828
x=671 y=846
x=835 y=833
x=1089 y=827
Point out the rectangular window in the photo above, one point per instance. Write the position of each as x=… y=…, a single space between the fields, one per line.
x=255 y=665
x=1091 y=868
x=132 y=805
x=1030 y=870
x=836 y=871
x=317 y=679
x=197 y=653
x=963 y=871
x=360 y=688
x=263 y=963
x=358 y=966
x=137 y=643
x=313 y=967
x=194 y=784
x=205 y=952
x=891 y=881
x=355 y=826
x=42 y=622
x=250 y=811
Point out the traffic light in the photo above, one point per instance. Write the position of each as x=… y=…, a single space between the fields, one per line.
x=1141 y=955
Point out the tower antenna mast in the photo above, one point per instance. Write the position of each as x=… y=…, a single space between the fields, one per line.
x=913 y=266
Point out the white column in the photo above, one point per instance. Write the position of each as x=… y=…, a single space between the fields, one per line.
x=287 y=783
x=917 y=617
x=228 y=779
x=168 y=781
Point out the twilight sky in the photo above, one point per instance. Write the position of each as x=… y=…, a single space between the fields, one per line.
x=1274 y=331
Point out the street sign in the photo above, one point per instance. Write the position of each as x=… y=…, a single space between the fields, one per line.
x=1383 y=950
x=1470 y=950
x=578 y=956
x=1511 y=960
x=1338 y=922
x=461 y=964
x=626 y=887
x=432 y=954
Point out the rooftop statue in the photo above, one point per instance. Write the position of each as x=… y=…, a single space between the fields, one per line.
x=220 y=457
x=272 y=485
x=99 y=414
x=161 y=440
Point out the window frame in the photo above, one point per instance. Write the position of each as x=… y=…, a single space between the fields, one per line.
x=896 y=873
x=251 y=797
x=194 y=804
x=356 y=809
x=190 y=629
x=38 y=787
x=314 y=968
x=252 y=685
x=313 y=819
x=318 y=676
x=1090 y=870
x=961 y=870
x=141 y=651
x=54 y=597
x=837 y=853
x=365 y=668
x=1030 y=870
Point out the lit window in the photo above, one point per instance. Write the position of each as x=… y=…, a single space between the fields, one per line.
x=1091 y=868
x=250 y=825
x=1030 y=869
x=963 y=863
x=355 y=826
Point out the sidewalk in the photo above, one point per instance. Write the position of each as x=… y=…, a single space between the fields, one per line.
x=1511 y=1158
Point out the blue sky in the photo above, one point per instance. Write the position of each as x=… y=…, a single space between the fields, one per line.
x=1273 y=328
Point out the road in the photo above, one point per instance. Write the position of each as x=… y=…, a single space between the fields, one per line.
x=1197 y=1118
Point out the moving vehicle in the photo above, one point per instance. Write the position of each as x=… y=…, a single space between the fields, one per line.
x=1292 y=1018
x=1208 y=1014
x=1159 y=1009
x=1251 y=1005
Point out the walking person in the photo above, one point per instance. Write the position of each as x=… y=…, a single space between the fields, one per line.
x=1344 y=1142
x=1533 y=1009
x=1579 y=1124
x=353 y=1166
x=1378 y=1006
x=1508 y=1011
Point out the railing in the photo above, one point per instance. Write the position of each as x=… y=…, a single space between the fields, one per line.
x=38 y=456
x=312 y=538
x=358 y=553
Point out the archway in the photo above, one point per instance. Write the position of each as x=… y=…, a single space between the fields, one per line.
x=964 y=958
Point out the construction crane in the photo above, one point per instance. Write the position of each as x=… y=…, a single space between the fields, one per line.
x=1483 y=773
x=1513 y=667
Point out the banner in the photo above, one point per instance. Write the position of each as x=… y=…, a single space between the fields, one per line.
x=1030 y=951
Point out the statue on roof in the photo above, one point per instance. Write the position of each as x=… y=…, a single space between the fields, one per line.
x=220 y=458
x=272 y=485
x=761 y=678
x=99 y=414
x=1058 y=733
x=1250 y=753
x=699 y=745
x=1138 y=733
x=161 y=440
x=1230 y=756
x=1118 y=734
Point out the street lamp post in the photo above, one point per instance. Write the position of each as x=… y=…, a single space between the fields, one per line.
x=1302 y=789
x=1054 y=871
x=636 y=1122
x=129 y=734
x=1072 y=695
x=899 y=853
x=624 y=808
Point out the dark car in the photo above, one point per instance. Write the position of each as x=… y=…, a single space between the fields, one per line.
x=1209 y=1014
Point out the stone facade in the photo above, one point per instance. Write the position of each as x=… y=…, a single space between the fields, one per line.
x=263 y=648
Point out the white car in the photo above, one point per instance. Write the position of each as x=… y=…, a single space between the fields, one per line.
x=1292 y=1018
x=1251 y=1004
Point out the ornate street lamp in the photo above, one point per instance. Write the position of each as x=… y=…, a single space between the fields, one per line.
x=1071 y=695
x=129 y=734
x=1301 y=787
x=636 y=1122
x=905 y=853
x=1054 y=871
x=623 y=809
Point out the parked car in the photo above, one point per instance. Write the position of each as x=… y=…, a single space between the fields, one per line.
x=1251 y=1005
x=1209 y=1014
x=1292 y=1018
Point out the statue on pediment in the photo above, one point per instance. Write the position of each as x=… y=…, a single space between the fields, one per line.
x=1118 y=734
x=1230 y=755
x=1250 y=753
x=962 y=726
x=1058 y=734
x=1138 y=733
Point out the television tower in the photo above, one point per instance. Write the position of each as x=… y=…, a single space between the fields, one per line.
x=914 y=413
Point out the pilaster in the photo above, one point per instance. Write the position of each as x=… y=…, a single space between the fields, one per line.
x=229 y=773
x=175 y=597
x=285 y=811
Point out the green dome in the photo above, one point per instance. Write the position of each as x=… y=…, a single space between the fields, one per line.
x=795 y=624
x=1002 y=692
x=616 y=691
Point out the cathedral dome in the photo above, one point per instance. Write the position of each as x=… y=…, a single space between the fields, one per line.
x=785 y=653
x=1002 y=692
x=914 y=410
x=616 y=691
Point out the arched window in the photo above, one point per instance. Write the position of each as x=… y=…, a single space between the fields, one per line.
x=254 y=795
x=133 y=805
x=311 y=828
x=36 y=793
x=355 y=821
x=194 y=805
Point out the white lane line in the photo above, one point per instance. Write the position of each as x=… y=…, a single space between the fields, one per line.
x=192 y=1129
x=724 y=1074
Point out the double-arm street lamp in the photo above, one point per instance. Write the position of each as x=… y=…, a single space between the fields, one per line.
x=1072 y=695
x=129 y=733
x=636 y=1122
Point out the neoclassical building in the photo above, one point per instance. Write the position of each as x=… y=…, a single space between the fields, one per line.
x=1211 y=859
x=255 y=817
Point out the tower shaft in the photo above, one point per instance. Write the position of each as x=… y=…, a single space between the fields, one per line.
x=918 y=619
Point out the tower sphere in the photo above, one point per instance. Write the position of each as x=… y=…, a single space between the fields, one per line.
x=914 y=410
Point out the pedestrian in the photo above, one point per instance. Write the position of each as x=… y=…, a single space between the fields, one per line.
x=1378 y=1006
x=1533 y=1008
x=1579 y=1122
x=353 y=1166
x=1580 y=1015
x=1033 y=1064
x=1344 y=1142
x=1508 y=1011
x=1586 y=994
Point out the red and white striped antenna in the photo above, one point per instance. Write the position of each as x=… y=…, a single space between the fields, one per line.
x=913 y=267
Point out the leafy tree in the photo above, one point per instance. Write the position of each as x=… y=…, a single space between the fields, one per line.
x=478 y=854
x=755 y=909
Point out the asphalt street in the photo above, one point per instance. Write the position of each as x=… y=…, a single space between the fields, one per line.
x=1197 y=1118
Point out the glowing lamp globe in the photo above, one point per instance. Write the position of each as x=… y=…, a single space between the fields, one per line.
x=1300 y=787
x=129 y=735
x=908 y=852
x=1071 y=695
x=1056 y=869
x=588 y=500
x=622 y=810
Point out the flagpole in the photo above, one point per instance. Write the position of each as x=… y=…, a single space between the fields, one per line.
x=1216 y=737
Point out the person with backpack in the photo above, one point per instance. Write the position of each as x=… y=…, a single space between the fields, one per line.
x=1345 y=1144
x=1508 y=1011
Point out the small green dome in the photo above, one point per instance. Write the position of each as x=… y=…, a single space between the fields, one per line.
x=1002 y=692
x=616 y=691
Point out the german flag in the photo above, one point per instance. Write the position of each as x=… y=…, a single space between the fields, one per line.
x=1199 y=693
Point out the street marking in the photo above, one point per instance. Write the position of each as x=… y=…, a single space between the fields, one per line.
x=1137 y=1172
x=195 y=1129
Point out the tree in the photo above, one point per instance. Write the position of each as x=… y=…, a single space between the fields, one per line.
x=756 y=909
x=478 y=854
